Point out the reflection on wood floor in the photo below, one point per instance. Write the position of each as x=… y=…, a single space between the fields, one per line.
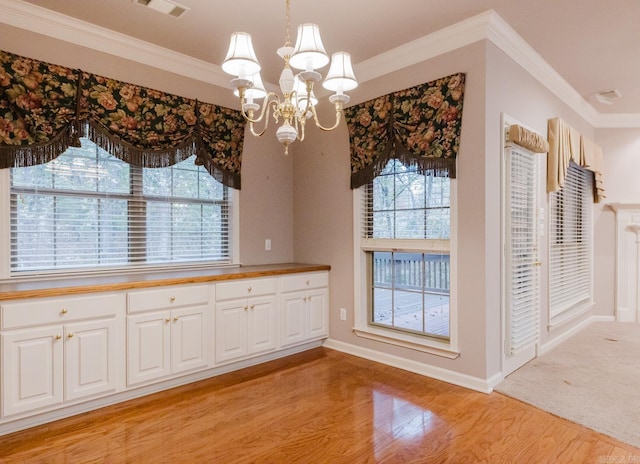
x=321 y=406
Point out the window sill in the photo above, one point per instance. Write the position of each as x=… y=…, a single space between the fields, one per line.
x=443 y=349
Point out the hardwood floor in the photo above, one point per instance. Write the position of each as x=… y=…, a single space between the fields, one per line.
x=321 y=406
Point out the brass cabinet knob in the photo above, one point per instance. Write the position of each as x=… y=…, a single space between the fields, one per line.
x=249 y=289
x=58 y=337
x=245 y=307
x=168 y=319
x=175 y=319
x=252 y=306
x=64 y=311
x=70 y=335
x=307 y=282
x=172 y=299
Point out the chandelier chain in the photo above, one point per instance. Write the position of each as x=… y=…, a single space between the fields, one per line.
x=288 y=25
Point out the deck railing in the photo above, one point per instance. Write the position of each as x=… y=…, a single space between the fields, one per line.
x=412 y=271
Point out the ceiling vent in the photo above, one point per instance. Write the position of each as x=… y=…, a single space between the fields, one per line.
x=607 y=96
x=164 y=6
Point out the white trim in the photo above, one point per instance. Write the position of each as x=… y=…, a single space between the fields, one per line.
x=438 y=373
x=59 y=26
x=361 y=323
x=542 y=349
x=484 y=26
x=407 y=341
x=14 y=423
x=5 y=224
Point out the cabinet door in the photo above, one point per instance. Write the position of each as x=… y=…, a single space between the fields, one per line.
x=149 y=345
x=90 y=358
x=189 y=339
x=231 y=330
x=32 y=363
x=293 y=326
x=262 y=328
x=317 y=313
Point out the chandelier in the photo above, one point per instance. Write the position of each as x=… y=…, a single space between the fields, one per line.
x=297 y=102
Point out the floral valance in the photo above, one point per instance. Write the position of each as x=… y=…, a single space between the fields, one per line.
x=45 y=108
x=419 y=126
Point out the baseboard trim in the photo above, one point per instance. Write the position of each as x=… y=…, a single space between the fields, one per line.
x=438 y=373
x=542 y=349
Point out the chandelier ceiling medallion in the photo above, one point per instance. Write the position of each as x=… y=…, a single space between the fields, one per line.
x=297 y=103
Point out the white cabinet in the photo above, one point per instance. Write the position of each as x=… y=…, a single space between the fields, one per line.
x=246 y=318
x=59 y=350
x=304 y=308
x=167 y=332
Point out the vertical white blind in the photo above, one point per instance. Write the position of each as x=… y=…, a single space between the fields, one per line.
x=523 y=294
x=570 y=224
x=89 y=210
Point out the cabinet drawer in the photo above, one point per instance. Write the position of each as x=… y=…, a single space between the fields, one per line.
x=304 y=281
x=59 y=310
x=166 y=298
x=245 y=288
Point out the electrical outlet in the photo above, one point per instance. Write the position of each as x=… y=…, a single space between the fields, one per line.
x=343 y=314
x=267 y=244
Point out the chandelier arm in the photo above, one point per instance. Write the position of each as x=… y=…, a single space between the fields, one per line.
x=338 y=118
x=266 y=120
x=270 y=98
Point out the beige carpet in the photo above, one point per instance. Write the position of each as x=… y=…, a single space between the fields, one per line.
x=593 y=378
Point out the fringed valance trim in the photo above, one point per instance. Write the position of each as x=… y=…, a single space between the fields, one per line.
x=528 y=139
x=45 y=109
x=22 y=156
x=130 y=154
x=437 y=167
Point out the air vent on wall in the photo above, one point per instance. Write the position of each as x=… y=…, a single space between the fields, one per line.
x=164 y=6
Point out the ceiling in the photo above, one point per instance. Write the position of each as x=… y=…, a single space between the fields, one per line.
x=593 y=44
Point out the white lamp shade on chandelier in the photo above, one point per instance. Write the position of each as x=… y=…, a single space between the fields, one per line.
x=297 y=102
x=340 y=77
x=309 y=53
x=241 y=59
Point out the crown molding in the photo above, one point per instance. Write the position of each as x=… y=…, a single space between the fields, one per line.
x=437 y=43
x=58 y=26
x=485 y=26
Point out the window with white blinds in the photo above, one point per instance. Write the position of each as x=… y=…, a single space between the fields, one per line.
x=405 y=230
x=88 y=210
x=570 y=242
x=522 y=265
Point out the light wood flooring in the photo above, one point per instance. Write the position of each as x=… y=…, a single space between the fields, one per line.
x=321 y=406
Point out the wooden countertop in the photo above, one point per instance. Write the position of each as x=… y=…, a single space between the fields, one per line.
x=79 y=285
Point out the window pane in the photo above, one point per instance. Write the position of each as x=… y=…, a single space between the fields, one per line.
x=87 y=209
x=410 y=291
x=403 y=204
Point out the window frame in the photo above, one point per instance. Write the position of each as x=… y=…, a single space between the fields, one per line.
x=362 y=327
x=578 y=307
x=7 y=275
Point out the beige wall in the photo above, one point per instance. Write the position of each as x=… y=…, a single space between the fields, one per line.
x=266 y=197
x=323 y=208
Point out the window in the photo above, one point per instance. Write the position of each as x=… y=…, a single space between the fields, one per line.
x=570 y=222
x=404 y=241
x=88 y=210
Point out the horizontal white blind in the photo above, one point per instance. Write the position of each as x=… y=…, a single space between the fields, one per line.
x=523 y=297
x=89 y=210
x=401 y=203
x=570 y=241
